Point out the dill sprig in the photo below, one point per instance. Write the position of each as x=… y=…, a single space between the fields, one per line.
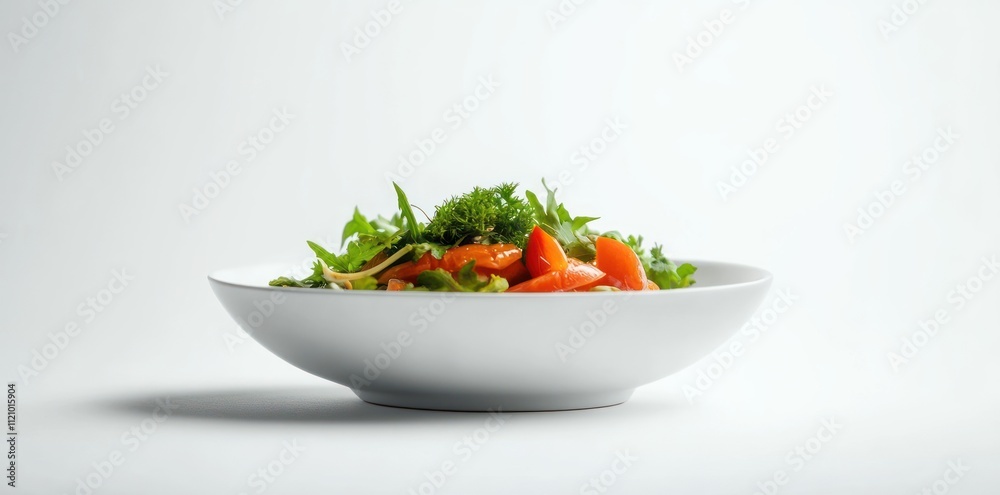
x=485 y=216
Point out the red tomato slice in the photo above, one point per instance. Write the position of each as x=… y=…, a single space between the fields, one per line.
x=543 y=254
x=576 y=274
x=408 y=272
x=623 y=267
x=514 y=274
x=487 y=257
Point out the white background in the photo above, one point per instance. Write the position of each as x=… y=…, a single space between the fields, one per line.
x=63 y=234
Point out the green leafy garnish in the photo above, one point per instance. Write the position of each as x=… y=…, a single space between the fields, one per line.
x=485 y=216
x=467 y=281
x=364 y=238
x=659 y=269
x=383 y=230
x=576 y=238
x=367 y=283
x=311 y=282
x=358 y=225
x=415 y=227
x=436 y=250
x=357 y=254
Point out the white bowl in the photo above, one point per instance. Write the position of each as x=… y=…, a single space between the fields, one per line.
x=476 y=352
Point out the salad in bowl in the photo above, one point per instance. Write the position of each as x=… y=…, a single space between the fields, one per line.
x=489 y=240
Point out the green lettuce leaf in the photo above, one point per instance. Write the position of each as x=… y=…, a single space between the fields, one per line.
x=468 y=281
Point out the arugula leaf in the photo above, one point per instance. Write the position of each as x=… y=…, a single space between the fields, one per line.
x=665 y=273
x=483 y=215
x=412 y=224
x=468 y=281
x=576 y=238
x=685 y=272
x=388 y=226
x=436 y=250
x=358 y=225
x=538 y=210
x=579 y=222
x=314 y=281
x=439 y=280
x=388 y=231
x=286 y=282
x=364 y=239
x=357 y=254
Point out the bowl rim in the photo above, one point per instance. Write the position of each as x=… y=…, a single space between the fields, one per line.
x=761 y=277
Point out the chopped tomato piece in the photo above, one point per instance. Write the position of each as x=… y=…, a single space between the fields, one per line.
x=487 y=257
x=408 y=271
x=492 y=256
x=543 y=254
x=396 y=284
x=576 y=274
x=623 y=267
x=514 y=274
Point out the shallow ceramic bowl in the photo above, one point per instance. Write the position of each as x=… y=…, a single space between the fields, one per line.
x=476 y=352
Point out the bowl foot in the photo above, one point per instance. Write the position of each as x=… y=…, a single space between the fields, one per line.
x=496 y=402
